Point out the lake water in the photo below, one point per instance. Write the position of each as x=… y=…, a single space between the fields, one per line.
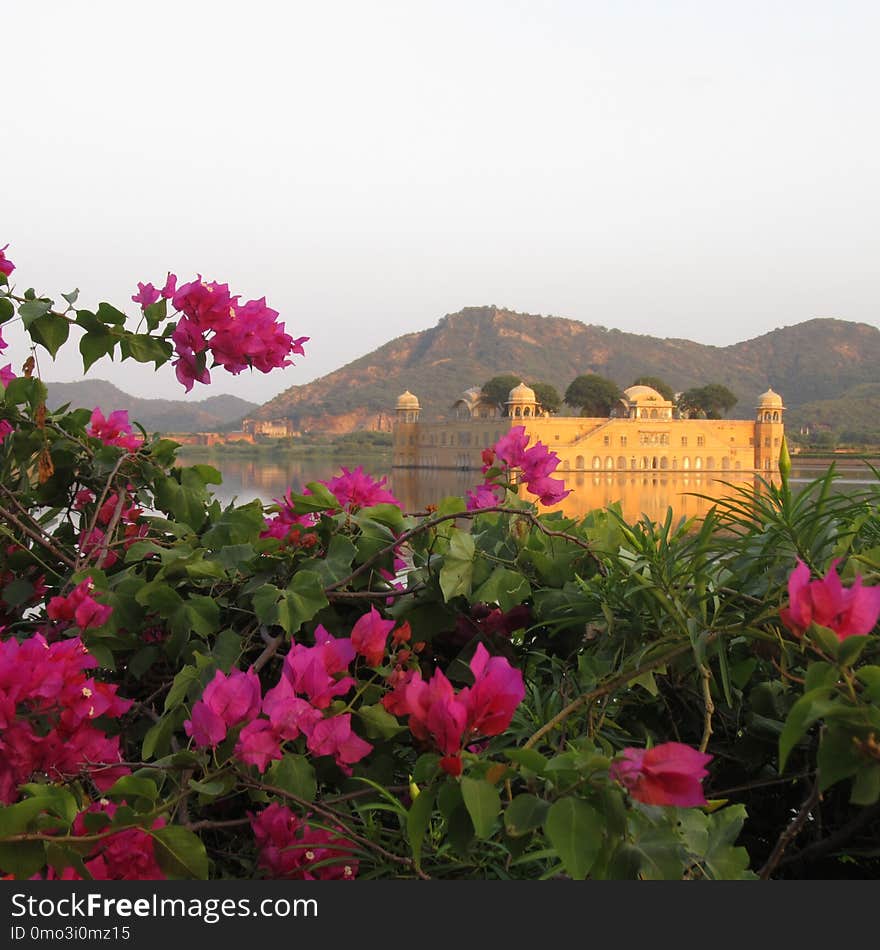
x=639 y=493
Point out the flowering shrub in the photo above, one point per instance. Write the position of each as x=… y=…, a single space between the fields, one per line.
x=327 y=688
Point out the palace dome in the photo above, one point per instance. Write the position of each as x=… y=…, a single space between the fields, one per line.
x=408 y=401
x=522 y=394
x=639 y=394
x=770 y=400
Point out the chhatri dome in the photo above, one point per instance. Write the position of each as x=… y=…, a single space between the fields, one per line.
x=521 y=394
x=770 y=400
x=643 y=402
x=408 y=401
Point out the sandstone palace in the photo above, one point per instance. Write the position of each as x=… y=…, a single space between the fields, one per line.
x=643 y=433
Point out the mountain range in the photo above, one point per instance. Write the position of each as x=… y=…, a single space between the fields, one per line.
x=155 y=415
x=823 y=368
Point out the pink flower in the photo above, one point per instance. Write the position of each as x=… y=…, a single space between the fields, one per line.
x=334 y=736
x=511 y=447
x=258 y=744
x=79 y=607
x=170 y=286
x=667 y=774
x=313 y=670
x=3 y=343
x=369 y=636
x=848 y=612
x=357 y=490
x=114 y=430
x=550 y=491
x=484 y=497
x=6 y=375
x=435 y=711
x=5 y=430
x=289 y=714
x=205 y=727
x=236 y=698
x=291 y=849
x=6 y=266
x=498 y=689
x=146 y=295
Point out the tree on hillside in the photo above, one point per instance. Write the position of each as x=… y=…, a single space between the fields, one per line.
x=665 y=390
x=593 y=395
x=497 y=389
x=547 y=396
x=707 y=402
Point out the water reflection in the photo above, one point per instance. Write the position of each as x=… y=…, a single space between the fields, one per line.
x=639 y=493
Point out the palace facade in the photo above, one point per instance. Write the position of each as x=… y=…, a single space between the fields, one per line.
x=642 y=434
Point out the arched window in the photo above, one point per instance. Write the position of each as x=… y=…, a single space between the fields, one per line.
x=632 y=462
x=776 y=417
x=579 y=462
x=654 y=461
x=621 y=462
x=653 y=413
x=664 y=462
x=710 y=463
x=597 y=462
x=698 y=462
x=725 y=463
x=609 y=463
x=527 y=411
x=685 y=463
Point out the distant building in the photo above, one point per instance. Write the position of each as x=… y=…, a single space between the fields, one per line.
x=641 y=434
x=270 y=428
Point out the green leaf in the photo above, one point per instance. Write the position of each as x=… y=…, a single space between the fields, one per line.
x=132 y=787
x=50 y=332
x=838 y=757
x=180 y=853
x=528 y=758
x=93 y=346
x=723 y=860
x=379 y=723
x=809 y=708
x=32 y=310
x=23 y=390
x=417 y=820
x=147 y=349
x=574 y=828
x=851 y=649
x=18 y=592
x=504 y=587
x=109 y=314
x=302 y=599
x=7 y=311
x=72 y=297
x=336 y=565
x=22 y=858
x=524 y=814
x=458 y=566
x=155 y=313
x=295 y=774
x=483 y=803
x=183 y=680
x=866 y=787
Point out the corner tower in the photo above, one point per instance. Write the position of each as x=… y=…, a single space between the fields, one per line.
x=769 y=429
x=406 y=431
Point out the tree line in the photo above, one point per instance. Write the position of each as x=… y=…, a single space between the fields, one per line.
x=594 y=395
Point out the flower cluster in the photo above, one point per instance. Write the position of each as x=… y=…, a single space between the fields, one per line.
x=451 y=720
x=286 y=525
x=537 y=464
x=126 y=855
x=114 y=430
x=6 y=265
x=311 y=678
x=94 y=540
x=357 y=489
x=667 y=774
x=79 y=607
x=238 y=336
x=6 y=377
x=848 y=611
x=293 y=849
x=48 y=710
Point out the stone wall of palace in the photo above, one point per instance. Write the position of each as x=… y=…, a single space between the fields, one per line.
x=585 y=444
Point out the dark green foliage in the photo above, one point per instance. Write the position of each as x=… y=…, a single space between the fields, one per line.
x=707 y=402
x=593 y=395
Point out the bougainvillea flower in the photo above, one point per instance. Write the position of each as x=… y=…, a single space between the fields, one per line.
x=313 y=671
x=205 y=727
x=293 y=850
x=146 y=295
x=498 y=689
x=289 y=714
x=357 y=490
x=6 y=265
x=369 y=636
x=3 y=343
x=235 y=698
x=114 y=430
x=5 y=430
x=667 y=774
x=170 y=286
x=511 y=447
x=258 y=744
x=79 y=607
x=6 y=375
x=484 y=496
x=848 y=611
x=334 y=736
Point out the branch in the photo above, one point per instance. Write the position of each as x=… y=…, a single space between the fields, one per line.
x=610 y=687
x=790 y=832
x=40 y=538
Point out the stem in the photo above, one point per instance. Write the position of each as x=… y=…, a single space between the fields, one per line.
x=791 y=831
x=708 y=704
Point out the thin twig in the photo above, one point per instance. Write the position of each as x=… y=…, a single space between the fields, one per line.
x=708 y=705
x=790 y=832
x=40 y=539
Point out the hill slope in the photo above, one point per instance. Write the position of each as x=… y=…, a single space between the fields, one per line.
x=815 y=360
x=155 y=415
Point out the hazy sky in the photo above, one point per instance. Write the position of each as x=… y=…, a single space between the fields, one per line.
x=692 y=169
